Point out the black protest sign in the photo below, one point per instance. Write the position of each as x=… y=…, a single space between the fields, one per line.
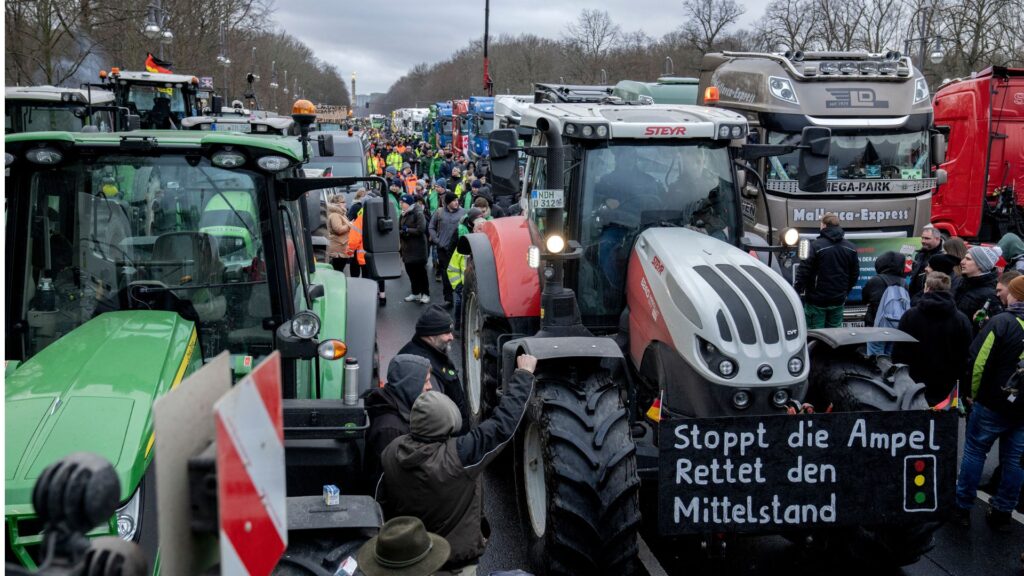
x=778 y=473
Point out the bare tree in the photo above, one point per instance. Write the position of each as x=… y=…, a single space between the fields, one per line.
x=839 y=22
x=707 y=19
x=587 y=43
x=878 y=27
x=789 y=24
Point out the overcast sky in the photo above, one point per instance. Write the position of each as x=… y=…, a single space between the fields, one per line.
x=381 y=41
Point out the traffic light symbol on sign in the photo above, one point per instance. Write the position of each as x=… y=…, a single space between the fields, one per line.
x=919 y=484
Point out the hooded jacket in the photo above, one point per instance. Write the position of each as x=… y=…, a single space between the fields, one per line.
x=436 y=478
x=389 y=408
x=943 y=333
x=338 y=227
x=974 y=291
x=1013 y=251
x=413 y=235
x=830 y=271
x=888 y=272
x=993 y=360
x=443 y=375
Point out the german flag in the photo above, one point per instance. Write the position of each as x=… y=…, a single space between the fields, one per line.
x=156 y=65
x=952 y=402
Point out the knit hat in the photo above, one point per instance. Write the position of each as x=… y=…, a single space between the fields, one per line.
x=434 y=415
x=391 y=170
x=943 y=263
x=441 y=182
x=434 y=320
x=476 y=184
x=450 y=197
x=1016 y=288
x=984 y=257
x=408 y=199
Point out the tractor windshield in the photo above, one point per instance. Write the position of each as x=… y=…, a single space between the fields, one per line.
x=632 y=185
x=155 y=232
x=22 y=117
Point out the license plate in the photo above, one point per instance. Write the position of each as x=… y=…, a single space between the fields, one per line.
x=853 y=324
x=544 y=199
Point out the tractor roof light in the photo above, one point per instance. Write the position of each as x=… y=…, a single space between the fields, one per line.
x=711 y=95
x=790 y=237
x=273 y=163
x=45 y=155
x=227 y=159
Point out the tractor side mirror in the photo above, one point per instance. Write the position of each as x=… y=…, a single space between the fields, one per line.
x=380 y=238
x=938 y=148
x=504 y=162
x=216 y=105
x=815 y=145
x=325 y=144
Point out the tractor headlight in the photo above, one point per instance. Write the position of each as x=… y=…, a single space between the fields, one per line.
x=741 y=399
x=306 y=325
x=602 y=131
x=795 y=365
x=780 y=398
x=555 y=244
x=571 y=129
x=47 y=156
x=588 y=131
x=737 y=132
x=790 y=237
x=718 y=362
x=533 y=257
x=726 y=368
x=228 y=159
x=724 y=131
x=273 y=163
x=128 y=517
x=782 y=89
x=8 y=158
x=804 y=250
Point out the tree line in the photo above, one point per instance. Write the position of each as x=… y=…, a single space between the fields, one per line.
x=67 y=42
x=971 y=34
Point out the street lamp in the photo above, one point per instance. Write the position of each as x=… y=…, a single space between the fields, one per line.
x=156 y=28
x=924 y=38
x=223 y=59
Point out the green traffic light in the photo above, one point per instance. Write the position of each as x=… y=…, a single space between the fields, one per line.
x=919 y=497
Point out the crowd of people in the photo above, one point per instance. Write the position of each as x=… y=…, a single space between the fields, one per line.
x=964 y=305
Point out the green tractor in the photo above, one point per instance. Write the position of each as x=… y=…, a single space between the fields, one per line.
x=136 y=257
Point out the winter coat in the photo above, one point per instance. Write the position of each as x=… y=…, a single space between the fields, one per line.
x=943 y=333
x=1012 y=247
x=413 y=235
x=993 y=359
x=338 y=227
x=830 y=270
x=917 y=273
x=443 y=375
x=388 y=409
x=438 y=479
x=444 y=227
x=974 y=291
x=888 y=272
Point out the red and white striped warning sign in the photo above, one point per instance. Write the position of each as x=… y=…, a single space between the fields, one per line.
x=250 y=473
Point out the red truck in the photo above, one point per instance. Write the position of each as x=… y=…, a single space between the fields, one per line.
x=984 y=116
x=460 y=131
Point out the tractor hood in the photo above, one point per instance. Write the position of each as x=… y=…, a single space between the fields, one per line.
x=93 y=390
x=697 y=288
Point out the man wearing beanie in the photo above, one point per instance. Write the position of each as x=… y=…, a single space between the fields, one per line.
x=432 y=476
x=444 y=228
x=997 y=397
x=433 y=341
x=939 y=357
x=978 y=286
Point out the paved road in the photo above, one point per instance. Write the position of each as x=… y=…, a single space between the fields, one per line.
x=976 y=551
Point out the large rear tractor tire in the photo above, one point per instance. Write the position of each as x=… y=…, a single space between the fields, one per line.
x=850 y=383
x=576 y=466
x=480 y=351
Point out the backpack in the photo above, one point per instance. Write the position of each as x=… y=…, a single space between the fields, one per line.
x=894 y=303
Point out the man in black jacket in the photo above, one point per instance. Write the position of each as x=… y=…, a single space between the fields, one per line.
x=931 y=245
x=977 y=289
x=828 y=274
x=436 y=478
x=389 y=407
x=433 y=341
x=997 y=411
x=943 y=333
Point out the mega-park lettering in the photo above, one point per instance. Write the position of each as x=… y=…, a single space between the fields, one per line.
x=665 y=131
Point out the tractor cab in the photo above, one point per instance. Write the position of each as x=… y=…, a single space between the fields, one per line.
x=161 y=101
x=54 y=108
x=134 y=259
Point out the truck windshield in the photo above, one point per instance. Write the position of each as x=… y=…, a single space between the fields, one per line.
x=124 y=233
x=446 y=126
x=861 y=156
x=630 y=186
x=144 y=98
x=42 y=118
